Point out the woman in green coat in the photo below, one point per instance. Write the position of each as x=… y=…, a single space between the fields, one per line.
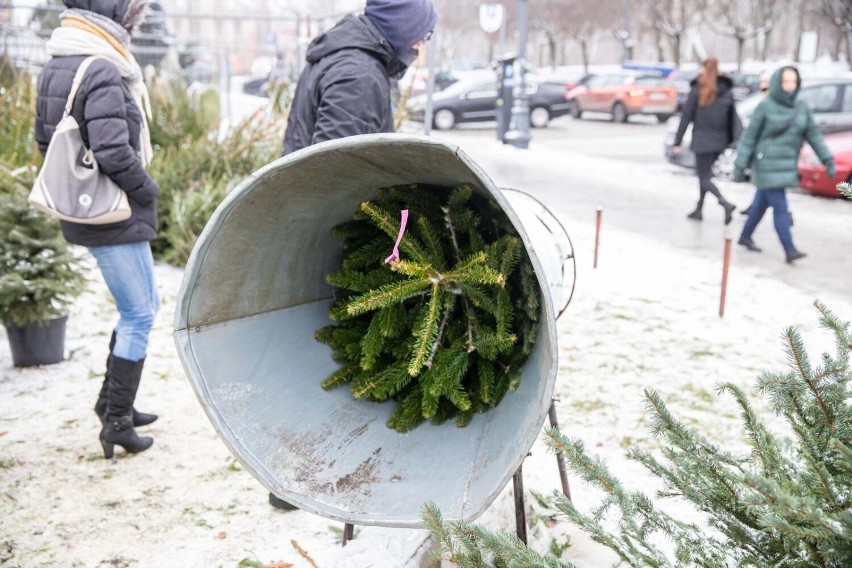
x=770 y=146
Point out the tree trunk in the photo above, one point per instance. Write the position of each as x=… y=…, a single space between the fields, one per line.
x=740 y=48
x=849 y=49
x=767 y=36
x=677 y=39
x=551 y=42
x=800 y=29
x=661 y=52
x=584 y=49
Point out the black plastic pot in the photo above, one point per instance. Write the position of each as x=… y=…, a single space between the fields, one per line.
x=38 y=343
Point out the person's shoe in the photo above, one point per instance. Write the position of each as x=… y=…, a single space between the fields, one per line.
x=118 y=430
x=795 y=255
x=729 y=211
x=749 y=244
x=695 y=215
x=139 y=418
x=280 y=503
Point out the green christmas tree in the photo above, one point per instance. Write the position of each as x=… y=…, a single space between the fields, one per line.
x=785 y=503
x=39 y=274
x=444 y=329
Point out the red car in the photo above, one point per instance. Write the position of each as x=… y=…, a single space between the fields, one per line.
x=812 y=173
x=622 y=94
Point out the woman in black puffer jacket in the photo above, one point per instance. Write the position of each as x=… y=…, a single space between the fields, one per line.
x=111 y=108
x=715 y=125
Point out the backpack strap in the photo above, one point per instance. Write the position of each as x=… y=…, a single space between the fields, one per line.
x=78 y=78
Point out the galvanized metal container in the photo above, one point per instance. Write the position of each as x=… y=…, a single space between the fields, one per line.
x=254 y=293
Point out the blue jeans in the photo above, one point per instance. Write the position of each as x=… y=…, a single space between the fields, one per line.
x=777 y=199
x=128 y=271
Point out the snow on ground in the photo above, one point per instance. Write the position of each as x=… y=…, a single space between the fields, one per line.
x=646 y=317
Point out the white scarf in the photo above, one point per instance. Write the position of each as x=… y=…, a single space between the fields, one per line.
x=73 y=41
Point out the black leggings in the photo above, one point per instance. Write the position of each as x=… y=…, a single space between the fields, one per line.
x=704 y=169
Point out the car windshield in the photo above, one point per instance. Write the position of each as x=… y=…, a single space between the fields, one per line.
x=649 y=80
x=745 y=108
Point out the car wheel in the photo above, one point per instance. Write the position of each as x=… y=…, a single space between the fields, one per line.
x=444 y=119
x=619 y=113
x=576 y=111
x=661 y=118
x=539 y=117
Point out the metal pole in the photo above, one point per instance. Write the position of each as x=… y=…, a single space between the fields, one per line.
x=348 y=533
x=726 y=261
x=625 y=31
x=598 y=216
x=519 y=127
x=430 y=86
x=560 y=460
x=520 y=512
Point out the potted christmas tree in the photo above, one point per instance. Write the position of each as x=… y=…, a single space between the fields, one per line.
x=39 y=275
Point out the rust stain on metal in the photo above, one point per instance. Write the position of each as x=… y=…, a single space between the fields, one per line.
x=364 y=475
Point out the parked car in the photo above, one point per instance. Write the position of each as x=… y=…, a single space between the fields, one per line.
x=680 y=79
x=416 y=80
x=567 y=79
x=475 y=100
x=622 y=94
x=830 y=100
x=745 y=84
x=812 y=174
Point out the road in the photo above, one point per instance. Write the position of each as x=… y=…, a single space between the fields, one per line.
x=576 y=166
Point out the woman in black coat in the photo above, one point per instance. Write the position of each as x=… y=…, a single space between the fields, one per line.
x=111 y=107
x=715 y=125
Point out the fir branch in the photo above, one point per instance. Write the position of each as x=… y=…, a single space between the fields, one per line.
x=386 y=296
x=426 y=332
x=448 y=223
x=448 y=311
x=390 y=226
x=432 y=242
x=799 y=358
x=765 y=447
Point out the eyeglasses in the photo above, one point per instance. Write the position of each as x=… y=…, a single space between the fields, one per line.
x=428 y=35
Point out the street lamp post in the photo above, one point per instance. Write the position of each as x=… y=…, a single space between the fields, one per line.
x=519 y=125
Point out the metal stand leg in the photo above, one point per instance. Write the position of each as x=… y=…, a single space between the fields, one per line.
x=518 y=484
x=520 y=509
x=560 y=461
x=348 y=533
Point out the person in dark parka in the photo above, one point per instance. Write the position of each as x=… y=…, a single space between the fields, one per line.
x=345 y=88
x=715 y=125
x=112 y=108
x=770 y=146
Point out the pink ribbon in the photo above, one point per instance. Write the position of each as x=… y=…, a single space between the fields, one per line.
x=404 y=221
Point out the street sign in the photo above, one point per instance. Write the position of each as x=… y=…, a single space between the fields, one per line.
x=491 y=17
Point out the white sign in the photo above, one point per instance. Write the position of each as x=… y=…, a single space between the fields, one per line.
x=491 y=17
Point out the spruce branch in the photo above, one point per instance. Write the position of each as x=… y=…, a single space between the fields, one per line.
x=406 y=311
x=390 y=226
x=386 y=296
x=426 y=332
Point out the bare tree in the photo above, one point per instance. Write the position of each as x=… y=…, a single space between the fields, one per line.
x=672 y=19
x=561 y=20
x=766 y=15
x=735 y=19
x=839 y=14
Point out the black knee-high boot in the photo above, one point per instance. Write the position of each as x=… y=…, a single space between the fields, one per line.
x=123 y=382
x=139 y=418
